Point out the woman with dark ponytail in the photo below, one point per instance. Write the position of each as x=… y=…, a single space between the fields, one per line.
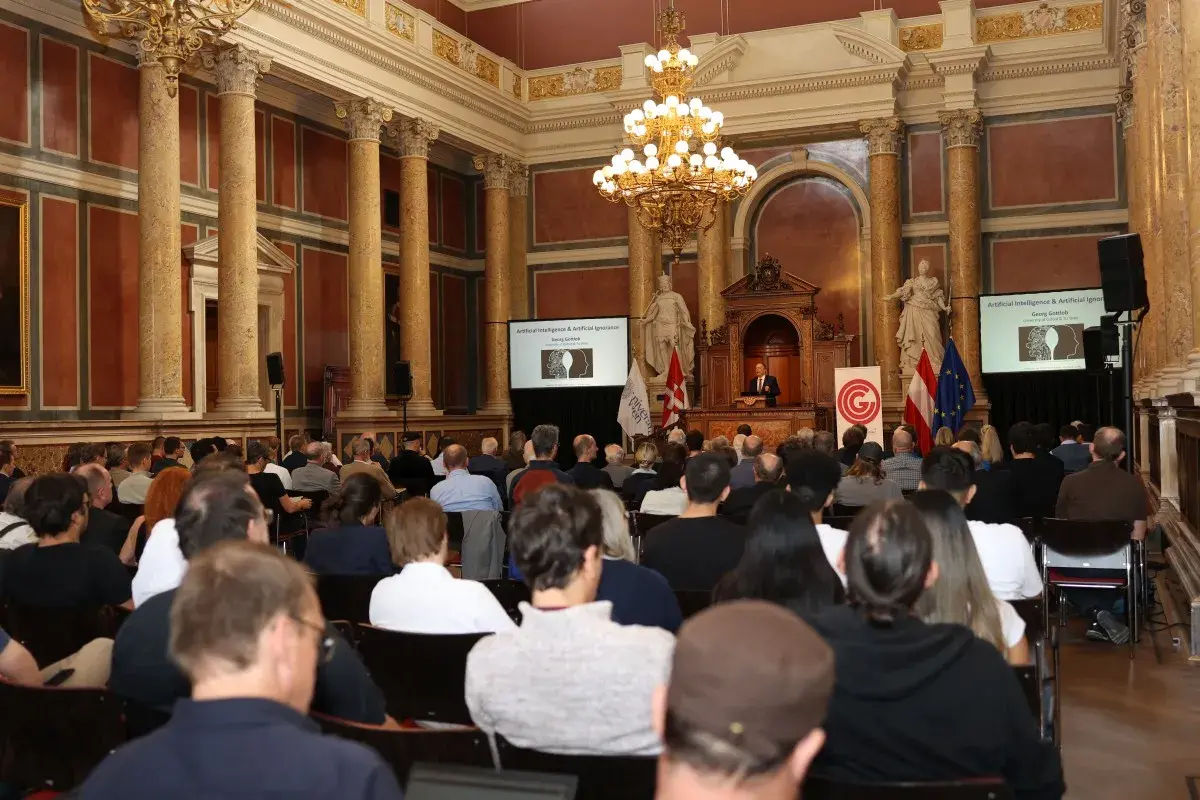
x=354 y=542
x=915 y=701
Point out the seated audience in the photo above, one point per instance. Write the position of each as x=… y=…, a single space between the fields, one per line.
x=376 y=456
x=10 y=447
x=332 y=463
x=7 y=465
x=1035 y=480
x=866 y=481
x=268 y=487
x=284 y=474
x=247 y=631
x=825 y=442
x=14 y=528
x=586 y=474
x=679 y=436
x=614 y=465
x=738 y=442
x=990 y=447
x=744 y=430
x=693 y=440
x=219 y=506
x=639 y=596
x=1104 y=491
x=363 y=463
x=784 y=561
x=116 y=464
x=993 y=500
x=962 y=595
x=172 y=455
x=667 y=497
x=1070 y=450
x=202 y=448
x=852 y=440
x=424 y=597
x=742 y=475
x=741 y=716
x=1003 y=550
x=313 y=477
x=904 y=467
x=104 y=528
x=542 y=470
x=969 y=433
x=805 y=437
x=133 y=489
x=439 y=466
x=58 y=571
x=296 y=457
x=813 y=477
x=488 y=464
x=643 y=476
x=914 y=701
x=515 y=475
x=514 y=454
x=767 y=469
x=353 y=543
x=569 y=679
x=410 y=469
x=696 y=550
x=87 y=668
x=462 y=491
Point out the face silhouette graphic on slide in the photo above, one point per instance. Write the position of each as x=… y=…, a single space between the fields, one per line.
x=567 y=364
x=1051 y=342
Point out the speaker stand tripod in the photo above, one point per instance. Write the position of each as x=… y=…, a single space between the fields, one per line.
x=278 y=411
x=404 y=398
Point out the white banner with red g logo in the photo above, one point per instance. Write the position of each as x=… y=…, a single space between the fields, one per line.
x=859 y=401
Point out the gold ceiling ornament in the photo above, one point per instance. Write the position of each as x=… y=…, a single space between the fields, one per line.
x=169 y=31
x=685 y=173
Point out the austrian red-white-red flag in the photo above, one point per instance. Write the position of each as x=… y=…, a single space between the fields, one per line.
x=918 y=406
x=676 y=399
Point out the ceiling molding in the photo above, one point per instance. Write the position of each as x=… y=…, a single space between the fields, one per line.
x=480 y=5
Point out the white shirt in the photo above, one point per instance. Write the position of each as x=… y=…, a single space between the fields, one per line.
x=833 y=542
x=1011 y=624
x=426 y=598
x=1007 y=559
x=18 y=536
x=284 y=476
x=439 y=466
x=671 y=502
x=162 y=565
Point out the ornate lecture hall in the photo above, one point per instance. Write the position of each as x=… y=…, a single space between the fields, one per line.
x=734 y=374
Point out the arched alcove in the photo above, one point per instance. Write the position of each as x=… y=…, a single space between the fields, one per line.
x=772 y=340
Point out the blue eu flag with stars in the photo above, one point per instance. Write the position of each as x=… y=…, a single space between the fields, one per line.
x=955 y=396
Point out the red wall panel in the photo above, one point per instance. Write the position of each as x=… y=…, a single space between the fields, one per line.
x=454 y=352
x=480 y=217
x=289 y=330
x=113 y=301
x=498 y=29
x=1049 y=162
x=428 y=6
x=567 y=208
x=14 y=77
x=283 y=162
x=113 y=112
x=433 y=205
x=452 y=16
x=188 y=234
x=389 y=179
x=324 y=173
x=811 y=227
x=326 y=318
x=260 y=156
x=60 y=96
x=435 y=337
x=213 y=127
x=1053 y=262
x=60 y=307
x=454 y=213
x=759 y=15
x=584 y=292
x=559 y=32
x=703 y=16
x=925 y=191
x=189 y=135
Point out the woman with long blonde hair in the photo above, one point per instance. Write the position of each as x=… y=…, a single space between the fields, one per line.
x=989 y=444
x=640 y=596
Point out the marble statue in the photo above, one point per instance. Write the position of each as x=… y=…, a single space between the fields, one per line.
x=666 y=325
x=920 y=322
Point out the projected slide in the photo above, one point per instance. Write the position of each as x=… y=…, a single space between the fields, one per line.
x=549 y=354
x=1040 y=332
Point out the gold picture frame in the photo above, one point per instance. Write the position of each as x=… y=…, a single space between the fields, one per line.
x=14 y=361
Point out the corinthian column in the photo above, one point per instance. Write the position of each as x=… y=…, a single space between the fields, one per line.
x=237 y=268
x=160 y=291
x=961 y=131
x=415 y=137
x=497 y=176
x=883 y=144
x=364 y=117
x=518 y=219
x=645 y=253
x=712 y=245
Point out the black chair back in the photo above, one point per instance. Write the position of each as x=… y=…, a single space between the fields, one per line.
x=1033 y=613
x=839 y=510
x=644 y=523
x=1073 y=537
x=129 y=511
x=600 y=777
x=1028 y=526
x=347 y=597
x=422 y=676
x=510 y=594
x=455 y=530
x=52 y=634
x=403 y=748
x=1031 y=687
x=693 y=601
x=51 y=738
x=142 y=720
x=816 y=788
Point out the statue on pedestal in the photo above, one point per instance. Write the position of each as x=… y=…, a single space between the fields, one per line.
x=920 y=322
x=667 y=325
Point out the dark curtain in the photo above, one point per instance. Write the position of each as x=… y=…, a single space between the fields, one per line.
x=574 y=411
x=1054 y=397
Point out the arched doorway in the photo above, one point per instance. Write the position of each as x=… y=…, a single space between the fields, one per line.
x=773 y=341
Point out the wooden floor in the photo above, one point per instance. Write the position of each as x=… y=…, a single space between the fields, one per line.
x=1131 y=728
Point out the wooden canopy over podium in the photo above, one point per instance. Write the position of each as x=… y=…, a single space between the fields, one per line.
x=770 y=318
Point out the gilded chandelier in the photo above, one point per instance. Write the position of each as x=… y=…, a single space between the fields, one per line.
x=686 y=172
x=171 y=31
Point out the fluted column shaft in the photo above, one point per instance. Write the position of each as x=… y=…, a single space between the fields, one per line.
x=1152 y=158
x=416 y=135
x=961 y=131
x=645 y=255
x=160 y=291
x=883 y=143
x=497 y=175
x=237 y=72
x=518 y=220
x=1190 y=24
x=364 y=117
x=712 y=246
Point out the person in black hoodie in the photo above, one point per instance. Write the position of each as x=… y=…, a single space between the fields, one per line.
x=919 y=702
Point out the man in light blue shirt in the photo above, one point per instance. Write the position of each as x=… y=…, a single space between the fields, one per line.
x=462 y=491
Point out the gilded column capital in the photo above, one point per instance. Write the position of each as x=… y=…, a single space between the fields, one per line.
x=364 y=117
x=961 y=128
x=1126 y=106
x=883 y=135
x=237 y=68
x=497 y=170
x=416 y=135
x=518 y=179
x=1132 y=35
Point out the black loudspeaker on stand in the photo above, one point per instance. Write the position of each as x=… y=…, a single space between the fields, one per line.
x=402 y=373
x=275 y=377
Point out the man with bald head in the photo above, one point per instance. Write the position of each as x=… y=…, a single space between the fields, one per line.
x=744 y=475
x=586 y=474
x=905 y=466
x=104 y=528
x=462 y=491
x=488 y=464
x=763 y=384
x=768 y=468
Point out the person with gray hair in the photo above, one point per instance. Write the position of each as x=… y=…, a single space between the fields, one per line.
x=618 y=471
x=313 y=477
x=825 y=442
x=805 y=436
x=767 y=469
x=738 y=441
x=677 y=436
x=904 y=467
x=743 y=475
x=14 y=530
x=640 y=596
x=104 y=528
x=542 y=469
x=363 y=463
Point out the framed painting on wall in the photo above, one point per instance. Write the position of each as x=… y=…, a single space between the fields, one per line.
x=14 y=293
x=391 y=328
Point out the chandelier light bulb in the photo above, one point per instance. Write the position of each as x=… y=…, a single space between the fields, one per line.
x=607 y=172
x=649 y=106
x=710 y=149
x=660 y=110
x=651 y=163
x=685 y=55
x=705 y=113
x=727 y=154
x=696 y=160
x=650 y=150
x=639 y=131
x=664 y=56
x=672 y=101
x=696 y=104
x=637 y=115
x=718 y=118
x=674 y=160
x=708 y=128
x=598 y=178
x=712 y=162
x=651 y=61
x=627 y=154
x=681 y=147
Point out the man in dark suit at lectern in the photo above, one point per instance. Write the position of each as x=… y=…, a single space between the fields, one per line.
x=764 y=384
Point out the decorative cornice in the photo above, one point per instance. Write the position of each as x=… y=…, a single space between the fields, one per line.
x=237 y=69
x=497 y=170
x=914 y=38
x=416 y=135
x=962 y=128
x=722 y=58
x=357 y=6
x=867 y=47
x=1050 y=68
x=364 y=117
x=883 y=135
x=581 y=80
x=923 y=82
x=965 y=61
x=1045 y=20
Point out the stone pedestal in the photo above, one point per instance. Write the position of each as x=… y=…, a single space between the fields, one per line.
x=497 y=176
x=883 y=142
x=416 y=135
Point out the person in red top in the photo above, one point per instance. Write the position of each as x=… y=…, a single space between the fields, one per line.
x=542 y=470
